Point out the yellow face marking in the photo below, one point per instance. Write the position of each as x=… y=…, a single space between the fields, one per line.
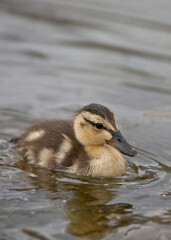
x=44 y=156
x=64 y=149
x=35 y=135
x=87 y=134
x=96 y=118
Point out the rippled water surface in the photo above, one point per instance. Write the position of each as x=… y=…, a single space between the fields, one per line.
x=56 y=56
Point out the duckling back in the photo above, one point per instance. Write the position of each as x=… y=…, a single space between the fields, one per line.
x=49 y=144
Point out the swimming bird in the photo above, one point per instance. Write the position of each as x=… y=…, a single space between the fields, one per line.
x=90 y=144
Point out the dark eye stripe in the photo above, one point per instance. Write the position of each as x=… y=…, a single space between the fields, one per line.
x=94 y=124
x=111 y=131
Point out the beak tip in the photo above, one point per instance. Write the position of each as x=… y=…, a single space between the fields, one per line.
x=134 y=153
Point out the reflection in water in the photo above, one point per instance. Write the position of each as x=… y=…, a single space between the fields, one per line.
x=90 y=215
x=87 y=212
x=88 y=206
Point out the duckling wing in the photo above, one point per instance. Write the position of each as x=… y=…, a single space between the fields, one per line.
x=50 y=143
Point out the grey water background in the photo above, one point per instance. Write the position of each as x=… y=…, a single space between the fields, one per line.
x=56 y=56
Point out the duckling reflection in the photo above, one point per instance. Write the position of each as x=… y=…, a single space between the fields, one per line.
x=87 y=212
x=86 y=203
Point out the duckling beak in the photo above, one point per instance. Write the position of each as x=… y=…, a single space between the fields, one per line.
x=119 y=142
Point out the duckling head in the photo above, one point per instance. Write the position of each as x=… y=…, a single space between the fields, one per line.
x=96 y=125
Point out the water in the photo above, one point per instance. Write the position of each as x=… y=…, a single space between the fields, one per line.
x=56 y=56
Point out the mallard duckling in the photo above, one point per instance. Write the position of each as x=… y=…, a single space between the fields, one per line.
x=90 y=144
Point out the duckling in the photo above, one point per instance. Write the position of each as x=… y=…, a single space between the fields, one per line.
x=90 y=144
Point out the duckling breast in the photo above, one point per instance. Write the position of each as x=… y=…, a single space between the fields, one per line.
x=105 y=161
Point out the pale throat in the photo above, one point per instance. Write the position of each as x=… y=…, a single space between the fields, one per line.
x=105 y=161
x=94 y=151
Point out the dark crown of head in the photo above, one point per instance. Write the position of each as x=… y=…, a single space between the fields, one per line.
x=100 y=110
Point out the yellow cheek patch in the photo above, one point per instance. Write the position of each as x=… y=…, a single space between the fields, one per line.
x=96 y=118
x=107 y=136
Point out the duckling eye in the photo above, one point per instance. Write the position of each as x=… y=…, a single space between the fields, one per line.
x=99 y=125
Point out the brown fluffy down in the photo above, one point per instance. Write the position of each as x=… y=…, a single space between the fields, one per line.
x=54 y=144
